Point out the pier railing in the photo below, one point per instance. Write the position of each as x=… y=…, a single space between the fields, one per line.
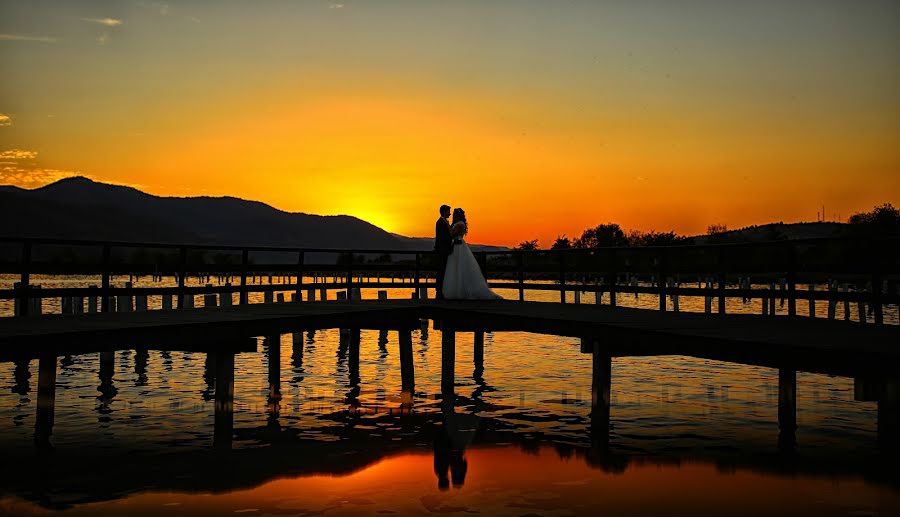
x=859 y=274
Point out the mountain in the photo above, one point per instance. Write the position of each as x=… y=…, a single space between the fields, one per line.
x=775 y=232
x=79 y=208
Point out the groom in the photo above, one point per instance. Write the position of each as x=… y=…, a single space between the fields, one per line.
x=443 y=245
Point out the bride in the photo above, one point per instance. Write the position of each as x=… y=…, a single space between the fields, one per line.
x=463 y=279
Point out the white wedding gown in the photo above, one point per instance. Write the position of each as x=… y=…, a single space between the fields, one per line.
x=463 y=279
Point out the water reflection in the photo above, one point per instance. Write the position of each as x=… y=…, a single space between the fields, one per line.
x=379 y=407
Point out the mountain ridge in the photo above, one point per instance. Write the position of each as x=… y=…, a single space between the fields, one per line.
x=81 y=208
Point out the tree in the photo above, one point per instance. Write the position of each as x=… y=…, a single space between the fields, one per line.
x=562 y=243
x=528 y=245
x=716 y=228
x=882 y=221
x=653 y=238
x=602 y=235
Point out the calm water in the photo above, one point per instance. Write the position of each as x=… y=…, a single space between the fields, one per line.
x=699 y=435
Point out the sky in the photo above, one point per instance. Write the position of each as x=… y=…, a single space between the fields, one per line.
x=539 y=118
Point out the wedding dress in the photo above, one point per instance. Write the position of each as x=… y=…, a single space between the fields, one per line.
x=463 y=279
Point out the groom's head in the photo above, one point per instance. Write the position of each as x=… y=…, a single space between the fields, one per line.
x=445 y=211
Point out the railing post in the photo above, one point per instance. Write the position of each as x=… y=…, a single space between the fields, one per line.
x=721 y=286
x=416 y=280
x=876 y=298
x=792 y=280
x=25 y=280
x=301 y=259
x=520 y=264
x=182 y=271
x=350 y=276
x=104 y=282
x=661 y=284
x=562 y=276
x=482 y=263
x=244 y=297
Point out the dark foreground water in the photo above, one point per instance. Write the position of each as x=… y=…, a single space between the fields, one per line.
x=686 y=436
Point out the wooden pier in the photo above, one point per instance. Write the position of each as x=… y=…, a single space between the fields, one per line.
x=867 y=350
x=825 y=346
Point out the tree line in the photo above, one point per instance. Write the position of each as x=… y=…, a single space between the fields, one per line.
x=881 y=221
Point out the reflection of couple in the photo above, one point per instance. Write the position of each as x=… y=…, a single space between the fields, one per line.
x=459 y=275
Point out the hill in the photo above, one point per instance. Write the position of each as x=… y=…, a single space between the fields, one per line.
x=80 y=208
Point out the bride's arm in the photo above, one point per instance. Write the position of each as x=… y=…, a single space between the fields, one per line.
x=456 y=229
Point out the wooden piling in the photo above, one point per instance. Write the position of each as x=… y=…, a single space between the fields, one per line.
x=273 y=350
x=46 y=400
x=448 y=361
x=353 y=356
x=223 y=429
x=407 y=371
x=478 y=351
x=601 y=391
x=787 y=407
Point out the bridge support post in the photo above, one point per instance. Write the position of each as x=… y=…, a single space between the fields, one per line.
x=601 y=389
x=297 y=345
x=273 y=348
x=787 y=408
x=353 y=356
x=46 y=402
x=407 y=371
x=478 y=352
x=224 y=409
x=889 y=415
x=448 y=360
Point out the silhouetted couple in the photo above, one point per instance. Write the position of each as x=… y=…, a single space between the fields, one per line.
x=459 y=275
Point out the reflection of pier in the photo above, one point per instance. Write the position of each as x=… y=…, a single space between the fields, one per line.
x=451 y=430
x=872 y=384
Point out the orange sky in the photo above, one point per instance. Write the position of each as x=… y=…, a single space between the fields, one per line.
x=538 y=122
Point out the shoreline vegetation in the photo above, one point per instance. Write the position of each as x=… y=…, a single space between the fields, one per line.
x=882 y=221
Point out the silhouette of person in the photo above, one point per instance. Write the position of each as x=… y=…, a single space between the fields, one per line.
x=443 y=245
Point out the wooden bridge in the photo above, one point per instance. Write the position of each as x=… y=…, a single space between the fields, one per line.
x=867 y=352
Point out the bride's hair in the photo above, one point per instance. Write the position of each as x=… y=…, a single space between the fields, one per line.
x=459 y=215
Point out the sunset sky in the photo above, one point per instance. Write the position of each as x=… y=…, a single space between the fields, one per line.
x=538 y=117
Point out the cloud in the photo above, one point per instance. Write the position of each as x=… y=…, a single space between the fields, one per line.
x=335 y=6
x=19 y=37
x=18 y=154
x=33 y=177
x=109 y=22
x=160 y=7
x=5 y=120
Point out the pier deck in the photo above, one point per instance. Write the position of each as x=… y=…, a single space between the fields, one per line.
x=825 y=346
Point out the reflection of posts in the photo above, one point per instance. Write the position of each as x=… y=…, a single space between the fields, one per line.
x=107 y=389
x=141 y=358
x=478 y=352
x=889 y=415
x=407 y=371
x=224 y=410
x=787 y=408
x=273 y=345
x=209 y=375
x=21 y=374
x=43 y=422
x=448 y=360
x=353 y=355
x=601 y=387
